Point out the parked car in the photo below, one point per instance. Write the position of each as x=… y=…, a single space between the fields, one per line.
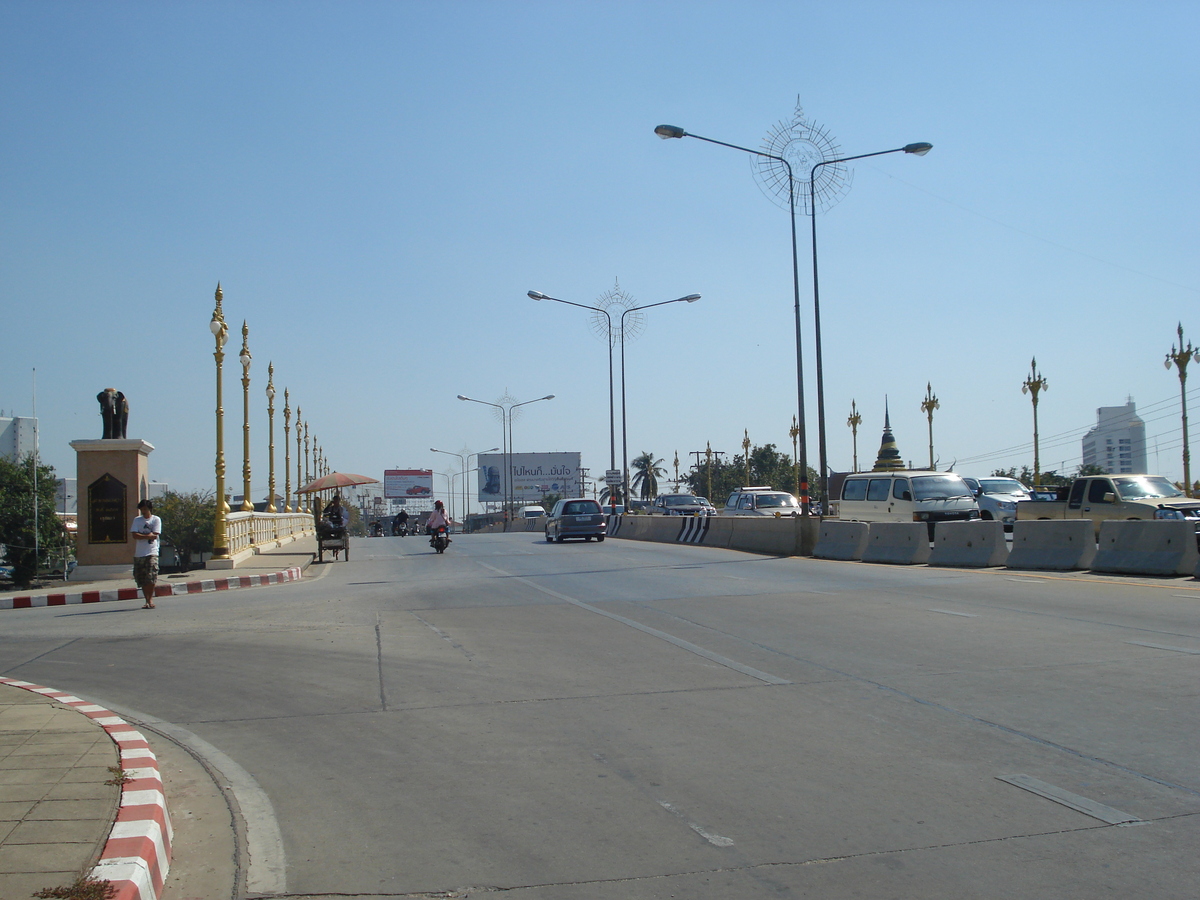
x=681 y=505
x=907 y=496
x=761 y=501
x=1102 y=497
x=530 y=512
x=578 y=517
x=997 y=498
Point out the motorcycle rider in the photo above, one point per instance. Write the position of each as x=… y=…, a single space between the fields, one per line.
x=437 y=519
x=400 y=523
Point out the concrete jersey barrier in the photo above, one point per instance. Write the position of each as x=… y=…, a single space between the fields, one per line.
x=901 y=543
x=1147 y=547
x=765 y=534
x=969 y=545
x=841 y=540
x=1058 y=544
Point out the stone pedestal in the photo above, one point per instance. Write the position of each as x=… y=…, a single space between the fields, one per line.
x=113 y=475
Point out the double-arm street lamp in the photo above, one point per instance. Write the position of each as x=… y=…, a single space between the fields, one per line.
x=673 y=131
x=918 y=149
x=612 y=407
x=462 y=459
x=506 y=436
x=690 y=298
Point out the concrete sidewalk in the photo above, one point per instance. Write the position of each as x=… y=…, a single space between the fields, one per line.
x=271 y=567
x=65 y=808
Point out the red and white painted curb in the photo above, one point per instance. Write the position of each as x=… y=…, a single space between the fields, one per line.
x=137 y=855
x=163 y=590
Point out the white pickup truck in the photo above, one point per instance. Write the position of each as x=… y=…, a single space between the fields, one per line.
x=1100 y=497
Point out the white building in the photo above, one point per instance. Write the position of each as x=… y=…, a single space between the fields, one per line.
x=18 y=437
x=1117 y=443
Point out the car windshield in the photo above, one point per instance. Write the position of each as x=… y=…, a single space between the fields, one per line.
x=1146 y=487
x=939 y=487
x=775 y=501
x=685 y=501
x=1003 y=486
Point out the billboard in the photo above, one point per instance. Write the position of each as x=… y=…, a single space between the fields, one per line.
x=533 y=476
x=407 y=484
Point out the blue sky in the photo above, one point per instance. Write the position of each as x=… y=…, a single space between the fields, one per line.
x=377 y=185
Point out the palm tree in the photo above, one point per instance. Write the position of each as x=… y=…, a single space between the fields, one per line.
x=648 y=469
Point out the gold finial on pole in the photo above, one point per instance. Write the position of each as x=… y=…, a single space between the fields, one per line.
x=794 y=432
x=287 y=453
x=854 y=421
x=928 y=405
x=1034 y=385
x=271 y=438
x=220 y=332
x=1180 y=358
x=708 y=461
x=746 y=453
x=244 y=359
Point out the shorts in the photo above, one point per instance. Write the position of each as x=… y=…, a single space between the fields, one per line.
x=145 y=571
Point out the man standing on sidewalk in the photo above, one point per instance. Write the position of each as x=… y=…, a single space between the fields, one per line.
x=146 y=529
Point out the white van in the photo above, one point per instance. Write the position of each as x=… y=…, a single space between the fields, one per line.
x=906 y=496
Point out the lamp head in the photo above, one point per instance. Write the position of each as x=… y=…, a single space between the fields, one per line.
x=690 y=298
x=461 y=397
x=538 y=295
x=918 y=149
x=548 y=397
x=669 y=131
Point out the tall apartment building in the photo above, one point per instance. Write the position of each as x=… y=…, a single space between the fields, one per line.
x=17 y=437
x=1117 y=443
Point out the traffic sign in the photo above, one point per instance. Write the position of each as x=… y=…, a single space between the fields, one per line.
x=612 y=476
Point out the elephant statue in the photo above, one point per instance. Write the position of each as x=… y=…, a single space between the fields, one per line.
x=114 y=408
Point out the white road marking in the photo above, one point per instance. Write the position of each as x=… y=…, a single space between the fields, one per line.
x=1073 y=801
x=1165 y=647
x=764 y=677
x=949 y=612
x=716 y=840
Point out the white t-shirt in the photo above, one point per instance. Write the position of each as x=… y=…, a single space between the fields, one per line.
x=142 y=525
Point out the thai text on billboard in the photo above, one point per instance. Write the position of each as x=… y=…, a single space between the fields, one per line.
x=533 y=475
x=407 y=484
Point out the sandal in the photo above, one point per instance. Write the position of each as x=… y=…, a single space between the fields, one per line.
x=149 y=606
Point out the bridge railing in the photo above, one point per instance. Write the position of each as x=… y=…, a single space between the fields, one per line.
x=252 y=532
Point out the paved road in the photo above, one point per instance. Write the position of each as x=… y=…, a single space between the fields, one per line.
x=629 y=720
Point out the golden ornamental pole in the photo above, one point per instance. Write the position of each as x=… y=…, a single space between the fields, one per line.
x=1180 y=359
x=794 y=431
x=221 y=332
x=708 y=460
x=287 y=453
x=928 y=405
x=746 y=453
x=677 y=471
x=307 y=471
x=301 y=500
x=244 y=359
x=271 y=508
x=1034 y=385
x=854 y=421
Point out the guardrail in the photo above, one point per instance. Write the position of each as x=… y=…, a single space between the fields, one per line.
x=252 y=532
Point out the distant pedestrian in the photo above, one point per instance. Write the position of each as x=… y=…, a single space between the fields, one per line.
x=146 y=529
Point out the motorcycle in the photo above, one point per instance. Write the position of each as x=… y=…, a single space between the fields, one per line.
x=440 y=539
x=400 y=530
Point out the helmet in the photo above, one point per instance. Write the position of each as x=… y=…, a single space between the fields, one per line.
x=437 y=504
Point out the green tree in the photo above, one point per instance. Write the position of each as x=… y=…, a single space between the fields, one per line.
x=17 y=517
x=649 y=470
x=768 y=468
x=187 y=523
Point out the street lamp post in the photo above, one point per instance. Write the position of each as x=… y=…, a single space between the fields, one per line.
x=673 y=131
x=612 y=407
x=301 y=499
x=244 y=359
x=918 y=149
x=928 y=405
x=1180 y=358
x=221 y=332
x=854 y=421
x=466 y=495
x=287 y=453
x=690 y=298
x=271 y=438
x=1034 y=385
x=506 y=442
